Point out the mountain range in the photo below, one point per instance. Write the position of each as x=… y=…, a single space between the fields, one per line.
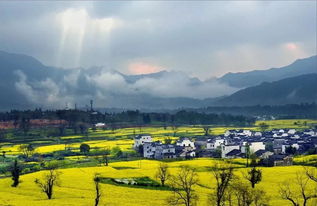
x=27 y=83
x=252 y=78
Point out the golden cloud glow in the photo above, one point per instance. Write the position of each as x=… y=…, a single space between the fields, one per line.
x=143 y=68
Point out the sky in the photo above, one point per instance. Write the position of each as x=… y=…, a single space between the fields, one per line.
x=203 y=39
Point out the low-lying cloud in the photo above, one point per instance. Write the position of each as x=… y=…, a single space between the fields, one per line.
x=107 y=87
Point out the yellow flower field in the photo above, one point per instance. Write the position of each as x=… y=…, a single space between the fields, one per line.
x=77 y=186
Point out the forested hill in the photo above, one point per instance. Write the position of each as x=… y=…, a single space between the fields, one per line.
x=293 y=90
x=252 y=78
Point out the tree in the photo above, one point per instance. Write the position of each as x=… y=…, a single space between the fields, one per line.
x=311 y=173
x=116 y=152
x=263 y=126
x=290 y=150
x=168 y=140
x=175 y=129
x=246 y=196
x=104 y=157
x=27 y=150
x=223 y=173
x=206 y=128
x=247 y=153
x=4 y=154
x=141 y=150
x=182 y=187
x=146 y=119
x=25 y=125
x=83 y=128
x=49 y=180
x=254 y=176
x=97 y=181
x=162 y=173
x=15 y=171
x=84 y=148
x=301 y=191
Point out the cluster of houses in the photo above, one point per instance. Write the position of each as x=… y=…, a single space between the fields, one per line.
x=184 y=147
x=273 y=148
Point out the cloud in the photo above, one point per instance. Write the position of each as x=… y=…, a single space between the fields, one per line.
x=193 y=37
x=143 y=68
x=110 y=88
x=46 y=93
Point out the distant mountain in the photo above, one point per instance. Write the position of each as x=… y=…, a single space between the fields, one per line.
x=26 y=83
x=292 y=90
x=252 y=78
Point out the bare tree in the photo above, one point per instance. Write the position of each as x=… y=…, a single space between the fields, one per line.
x=97 y=181
x=245 y=195
x=301 y=191
x=162 y=173
x=254 y=176
x=223 y=173
x=182 y=186
x=103 y=159
x=311 y=173
x=49 y=180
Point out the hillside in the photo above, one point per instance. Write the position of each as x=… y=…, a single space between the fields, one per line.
x=293 y=90
x=252 y=78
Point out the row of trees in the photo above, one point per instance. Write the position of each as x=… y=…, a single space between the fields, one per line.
x=294 y=111
x=229 y=189
x=74 y=117
x=50 y=179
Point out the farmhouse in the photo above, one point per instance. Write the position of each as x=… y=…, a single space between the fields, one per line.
x=185 y=142
x=225 y=149
x=141 y=139
x=214 y=143
x=277 y=160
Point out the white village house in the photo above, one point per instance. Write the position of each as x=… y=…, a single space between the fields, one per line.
x=141 y=139
x=186 y=142
x=253 y=146
x=214 y=143
x=225 y=149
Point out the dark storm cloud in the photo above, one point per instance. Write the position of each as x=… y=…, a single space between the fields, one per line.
x=203 y=39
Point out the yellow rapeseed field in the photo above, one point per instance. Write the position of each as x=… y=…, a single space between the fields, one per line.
x=76 y=185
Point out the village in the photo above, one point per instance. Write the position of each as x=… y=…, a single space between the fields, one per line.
x=273 y=148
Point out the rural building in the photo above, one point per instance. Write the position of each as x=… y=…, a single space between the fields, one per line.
x=141 y=139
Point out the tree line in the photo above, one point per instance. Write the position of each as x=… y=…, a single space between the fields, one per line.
x=80 y=120
x=288 y=111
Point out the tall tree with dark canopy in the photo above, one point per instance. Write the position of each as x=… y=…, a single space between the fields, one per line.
x=84 y=148
x=15 y=170
x=254 y=176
